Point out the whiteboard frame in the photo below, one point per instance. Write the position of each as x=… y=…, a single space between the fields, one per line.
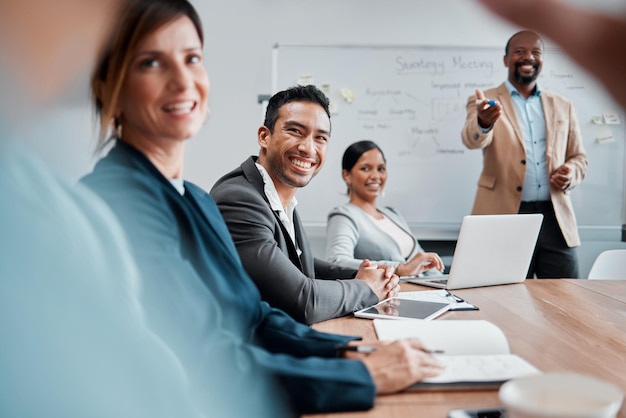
x=446 y=231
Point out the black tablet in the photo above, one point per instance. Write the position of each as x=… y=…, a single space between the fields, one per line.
x=397 y=308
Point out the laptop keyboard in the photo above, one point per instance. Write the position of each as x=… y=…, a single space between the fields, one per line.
x=440 y=281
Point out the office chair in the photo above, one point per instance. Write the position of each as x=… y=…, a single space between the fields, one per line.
x=609 y=265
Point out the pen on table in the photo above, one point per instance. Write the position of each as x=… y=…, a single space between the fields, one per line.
x=371 y=348
x=456 y=298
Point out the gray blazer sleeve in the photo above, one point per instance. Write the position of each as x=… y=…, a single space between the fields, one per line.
x=263 y=251
x=351 y=237
x=342 y=240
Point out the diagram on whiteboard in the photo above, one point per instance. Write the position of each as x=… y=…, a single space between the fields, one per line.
x=411 y=100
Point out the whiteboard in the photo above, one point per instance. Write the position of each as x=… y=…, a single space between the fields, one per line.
x=411 y=101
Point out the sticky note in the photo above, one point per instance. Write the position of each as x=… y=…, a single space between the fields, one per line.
x=347 y=94
x=597 y=120
x=611 y=118
x=605 y=139
x=604 y=136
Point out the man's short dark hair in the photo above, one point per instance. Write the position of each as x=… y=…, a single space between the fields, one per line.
x=298 y=93
x=508 y=43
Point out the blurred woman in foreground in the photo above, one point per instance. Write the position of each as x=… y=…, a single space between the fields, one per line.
x=151 y=93
x=74 y=340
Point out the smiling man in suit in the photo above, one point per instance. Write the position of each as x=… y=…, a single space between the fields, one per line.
x=533 y=155
x=257 y=201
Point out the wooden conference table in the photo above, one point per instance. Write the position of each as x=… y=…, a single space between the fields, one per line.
x=558 y=325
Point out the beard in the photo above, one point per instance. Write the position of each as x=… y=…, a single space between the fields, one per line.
x=525 y=80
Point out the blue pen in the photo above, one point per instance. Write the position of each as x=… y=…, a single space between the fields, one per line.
x=490 y=102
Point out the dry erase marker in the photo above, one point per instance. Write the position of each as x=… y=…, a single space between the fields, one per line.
x=490 y=102
x=367 y=349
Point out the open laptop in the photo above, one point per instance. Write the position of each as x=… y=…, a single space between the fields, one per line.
x=491 y=250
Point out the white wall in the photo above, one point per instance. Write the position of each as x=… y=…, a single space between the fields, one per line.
x=239 y=35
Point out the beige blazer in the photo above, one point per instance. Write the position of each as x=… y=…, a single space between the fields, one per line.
x=504 y=157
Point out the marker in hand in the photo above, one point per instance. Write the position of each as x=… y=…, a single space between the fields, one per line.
x=490 y=102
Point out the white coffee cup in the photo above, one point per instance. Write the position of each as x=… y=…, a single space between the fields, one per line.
x=560 y=395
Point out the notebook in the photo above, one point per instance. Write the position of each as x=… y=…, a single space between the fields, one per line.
x=476 y=353
x=491 y=250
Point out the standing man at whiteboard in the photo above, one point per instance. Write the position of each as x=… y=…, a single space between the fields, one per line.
x=533 y=155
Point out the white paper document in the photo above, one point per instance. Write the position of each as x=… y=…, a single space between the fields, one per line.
x=440 y=296
x=481 y=368
x=476 y=352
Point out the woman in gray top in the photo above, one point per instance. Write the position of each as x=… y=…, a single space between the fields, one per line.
x=361 y=230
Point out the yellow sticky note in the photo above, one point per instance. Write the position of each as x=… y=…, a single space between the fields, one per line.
x=347 y=94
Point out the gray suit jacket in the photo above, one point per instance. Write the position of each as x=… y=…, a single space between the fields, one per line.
x=352 y=236
x=309 y=289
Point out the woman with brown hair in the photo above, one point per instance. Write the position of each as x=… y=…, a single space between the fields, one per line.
x=152 y=91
